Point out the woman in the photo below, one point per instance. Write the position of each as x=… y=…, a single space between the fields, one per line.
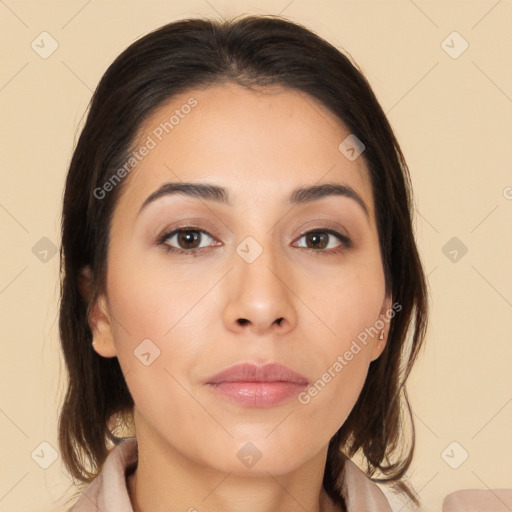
x=242 y=297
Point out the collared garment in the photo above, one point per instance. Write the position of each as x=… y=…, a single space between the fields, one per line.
x=108 y=492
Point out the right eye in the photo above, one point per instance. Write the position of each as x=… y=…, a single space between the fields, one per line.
x=185 y=240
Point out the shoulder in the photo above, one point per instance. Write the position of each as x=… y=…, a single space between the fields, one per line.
x=498 y=500
x=363 y=495
x=108 y=491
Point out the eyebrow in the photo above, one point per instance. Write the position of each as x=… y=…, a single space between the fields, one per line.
x=218 y=194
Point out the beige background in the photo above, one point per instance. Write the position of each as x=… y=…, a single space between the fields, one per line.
x=453 y=119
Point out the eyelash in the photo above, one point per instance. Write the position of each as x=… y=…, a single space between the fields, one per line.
x=162 y=241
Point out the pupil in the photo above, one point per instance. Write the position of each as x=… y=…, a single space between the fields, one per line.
x=317 y=239
x=188 y=237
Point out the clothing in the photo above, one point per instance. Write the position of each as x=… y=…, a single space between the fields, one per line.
x=475 y=500
x=108 y=492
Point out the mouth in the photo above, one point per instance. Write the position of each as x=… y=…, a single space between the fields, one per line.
x=251 y=385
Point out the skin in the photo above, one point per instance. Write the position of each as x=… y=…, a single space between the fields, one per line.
x=259 y=145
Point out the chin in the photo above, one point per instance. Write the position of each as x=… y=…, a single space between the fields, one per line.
x=270 y=465
x=261 y=457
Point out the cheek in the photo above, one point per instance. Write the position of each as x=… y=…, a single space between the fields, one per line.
x=341 y=369
x=341 y=339
x=152 y=300
x=156 y=327
x=346 y=305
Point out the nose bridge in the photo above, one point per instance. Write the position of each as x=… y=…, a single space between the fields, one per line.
x=258 y=295
x=256 y=264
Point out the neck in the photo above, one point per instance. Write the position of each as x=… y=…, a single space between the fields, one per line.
x=166 y=480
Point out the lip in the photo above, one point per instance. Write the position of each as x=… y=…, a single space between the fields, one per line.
x=253 y=385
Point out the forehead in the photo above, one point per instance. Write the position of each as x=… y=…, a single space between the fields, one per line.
x=258 y=143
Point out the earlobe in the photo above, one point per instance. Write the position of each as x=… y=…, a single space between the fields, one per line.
x=383 y=325
x=98 y=317
x=101 y=327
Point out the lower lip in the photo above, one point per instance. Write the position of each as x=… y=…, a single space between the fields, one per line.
x=257 y=394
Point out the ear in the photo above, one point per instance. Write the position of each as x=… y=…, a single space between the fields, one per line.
x=382 y=324
x=99 y=317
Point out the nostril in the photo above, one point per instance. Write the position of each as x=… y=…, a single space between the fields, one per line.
x=243 y=321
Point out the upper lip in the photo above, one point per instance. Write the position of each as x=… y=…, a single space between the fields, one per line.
x=250 y=372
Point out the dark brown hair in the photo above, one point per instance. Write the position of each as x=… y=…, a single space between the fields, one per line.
x=250 y=51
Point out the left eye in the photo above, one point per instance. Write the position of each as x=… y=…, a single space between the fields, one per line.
x=186 y=239
x=324 y=239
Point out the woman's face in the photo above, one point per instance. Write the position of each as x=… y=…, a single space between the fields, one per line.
x=258 y=289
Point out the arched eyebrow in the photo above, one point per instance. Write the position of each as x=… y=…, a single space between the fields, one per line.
x=218 y=194
x=316 y=192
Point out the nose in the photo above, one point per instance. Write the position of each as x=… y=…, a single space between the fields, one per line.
x=260 y=298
